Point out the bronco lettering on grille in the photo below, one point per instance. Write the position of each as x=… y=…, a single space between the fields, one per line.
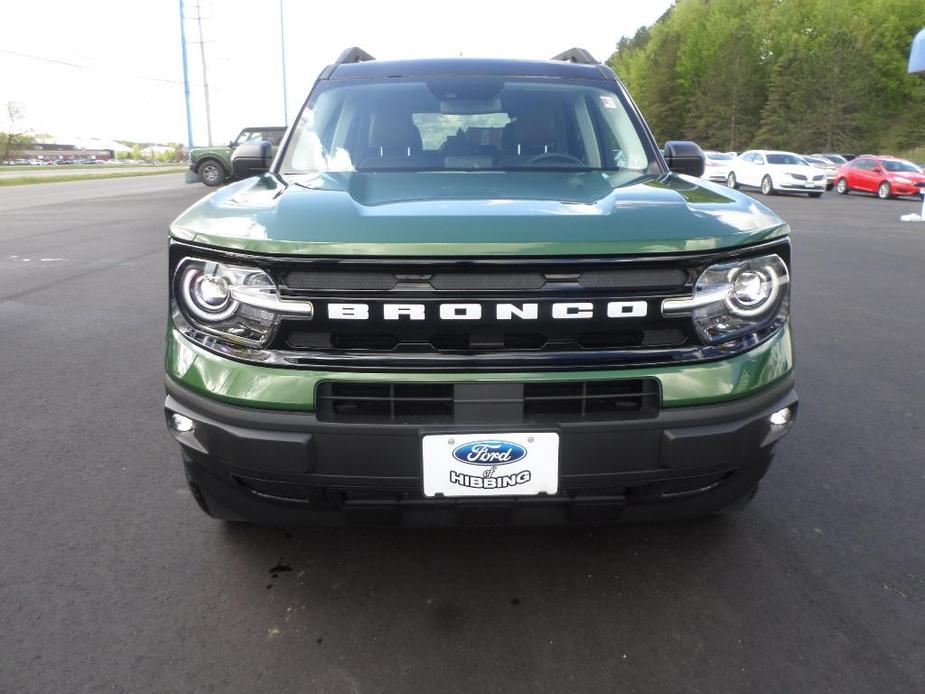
x=564 y=310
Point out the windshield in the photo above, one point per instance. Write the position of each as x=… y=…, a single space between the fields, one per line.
x=274 y=136
x=836 y=158
x=453 y=123
x=897 y=166
x=815 y=161
x=719 y=156
x=787 y=159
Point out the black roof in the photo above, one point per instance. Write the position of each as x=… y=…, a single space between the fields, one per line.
x=442 y=67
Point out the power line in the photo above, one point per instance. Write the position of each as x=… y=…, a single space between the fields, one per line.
x=56 y=61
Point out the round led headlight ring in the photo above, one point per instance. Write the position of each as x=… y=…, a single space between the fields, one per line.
x=754 y=291
x=750 y=288
x=206 y=296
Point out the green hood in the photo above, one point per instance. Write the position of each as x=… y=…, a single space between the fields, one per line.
x=476 y=213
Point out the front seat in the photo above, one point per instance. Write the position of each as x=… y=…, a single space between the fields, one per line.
x=531 y=133
x=394 y=140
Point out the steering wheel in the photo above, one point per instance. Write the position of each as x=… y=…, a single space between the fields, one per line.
x=562 y=156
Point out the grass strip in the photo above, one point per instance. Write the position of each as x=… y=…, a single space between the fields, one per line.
x=27 y=180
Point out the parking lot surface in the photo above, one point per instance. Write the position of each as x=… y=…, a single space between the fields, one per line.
x=112 y=580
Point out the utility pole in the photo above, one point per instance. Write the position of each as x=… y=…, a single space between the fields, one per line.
x=282 y=43
x=189 y=117
x=205 y=77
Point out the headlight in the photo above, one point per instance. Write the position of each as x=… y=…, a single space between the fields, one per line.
x=240 y=304
x=734 y=299
x=902 y=179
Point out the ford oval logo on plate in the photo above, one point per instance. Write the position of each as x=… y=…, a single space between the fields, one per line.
x=489 y=452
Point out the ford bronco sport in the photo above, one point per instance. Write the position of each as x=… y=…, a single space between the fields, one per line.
x=475 y=291
x=212 y=165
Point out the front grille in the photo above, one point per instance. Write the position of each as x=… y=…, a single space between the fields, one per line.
x=446 y=403
x=496 y=341
x=479 y=342
x=500 y=279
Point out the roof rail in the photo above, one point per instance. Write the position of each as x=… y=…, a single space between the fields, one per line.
x=353 y=54
x=576 y=55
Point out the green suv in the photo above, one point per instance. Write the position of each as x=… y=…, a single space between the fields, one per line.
x=476 y=292
x=212 y=165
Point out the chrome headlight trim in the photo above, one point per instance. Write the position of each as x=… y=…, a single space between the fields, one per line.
x=251 y=313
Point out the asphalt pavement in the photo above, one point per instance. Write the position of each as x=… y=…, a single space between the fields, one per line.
x=111 y=579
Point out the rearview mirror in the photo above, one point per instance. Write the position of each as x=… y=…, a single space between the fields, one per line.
x=684 y=157
x=470 y=107
x=251 y=158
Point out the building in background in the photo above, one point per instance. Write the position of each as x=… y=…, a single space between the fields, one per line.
x=71 y=149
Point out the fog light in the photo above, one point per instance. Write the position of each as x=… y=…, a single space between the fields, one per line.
x=180 y=424
x=782 y=417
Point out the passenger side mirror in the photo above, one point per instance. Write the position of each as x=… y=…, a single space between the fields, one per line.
x=877 y=170
x=684 y=157
x=251 y=159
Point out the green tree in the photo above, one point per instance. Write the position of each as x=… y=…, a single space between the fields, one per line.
x=728 y=78
x=16 y=135
x=804 y=75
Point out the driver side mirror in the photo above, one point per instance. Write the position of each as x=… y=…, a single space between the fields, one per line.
x=877 y=170
x=251 y=159
x=684 y=157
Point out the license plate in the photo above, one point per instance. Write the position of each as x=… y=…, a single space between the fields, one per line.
x=506 y=464
x=809 y=185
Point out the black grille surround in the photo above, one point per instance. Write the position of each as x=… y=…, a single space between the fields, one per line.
x=487 y=344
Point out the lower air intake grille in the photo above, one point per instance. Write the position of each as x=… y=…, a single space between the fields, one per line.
x=393 y=402
x=625 y=399
x=445 y=403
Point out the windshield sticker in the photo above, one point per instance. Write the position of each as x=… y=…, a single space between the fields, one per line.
x=608 y=101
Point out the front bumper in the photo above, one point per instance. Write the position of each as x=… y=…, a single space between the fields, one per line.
x=907 y=189
x=803 y=186
x=288 y=468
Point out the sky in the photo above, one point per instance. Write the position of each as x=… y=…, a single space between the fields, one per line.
x=113 y=68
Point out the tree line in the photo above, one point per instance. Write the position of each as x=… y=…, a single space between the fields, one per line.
x=801 y=75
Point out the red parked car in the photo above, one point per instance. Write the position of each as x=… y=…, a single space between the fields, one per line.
x=888 y=177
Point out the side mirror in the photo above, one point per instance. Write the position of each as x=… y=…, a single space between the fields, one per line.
x=877 y=170
x=251 y=159
x=685 y=157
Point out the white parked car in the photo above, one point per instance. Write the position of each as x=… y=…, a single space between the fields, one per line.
x=716 y=167
x=775 y=172
x=825 y=165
